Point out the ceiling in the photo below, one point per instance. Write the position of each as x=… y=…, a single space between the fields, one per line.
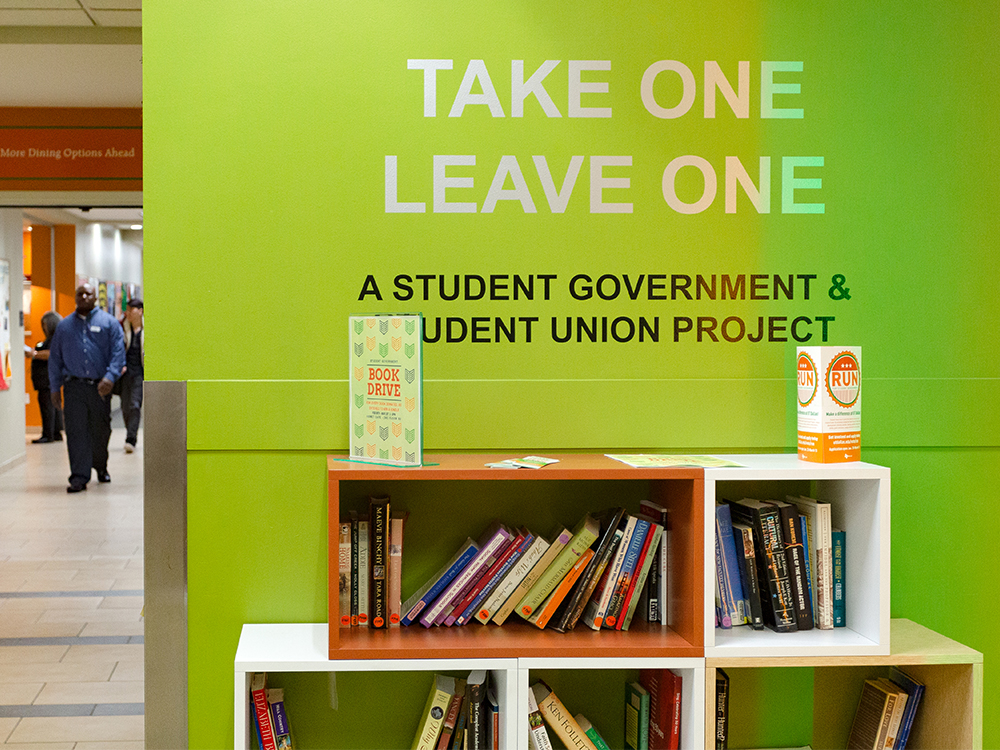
x=72 y=53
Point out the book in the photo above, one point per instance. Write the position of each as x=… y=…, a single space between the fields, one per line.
x=721 y=710
x=397 y=523
x=562 y=722
x=465 y=609
x=355 y=574
x=584 y=534
x=458 y=738
x=344 y=572
x=521 y=567
x=571 y=609
x=364 y=570
x=591 y=731
x=279 y=719
x=492 y=717
x=626 y=573
x=262 y=712
x=807 y=558
x=378 y=523
x=597 y=608
x=664 y=688
x=432 y=719
x=451 y=716
x=386 y=389
x=797 y=574
x=915 y=691
x=743 y=535
x=639 y=582
x=537 y=736
x=873 y=717
x=541 y=616
x=838 y=545
x=772 y=563
x=727 y=570
x=897 y=712
x=491 y=541
x=436 y=583
x=559 y=541
x=819 y=535
x=475 y=699
x=659 y=605
x=636 y=716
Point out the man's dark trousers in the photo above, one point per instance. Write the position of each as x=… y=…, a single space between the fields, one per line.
x=131 y=405
x=87 y=419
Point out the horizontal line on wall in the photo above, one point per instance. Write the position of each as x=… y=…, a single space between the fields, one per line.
x=73 y=709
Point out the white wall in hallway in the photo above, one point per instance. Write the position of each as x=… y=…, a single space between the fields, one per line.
x=12 y=447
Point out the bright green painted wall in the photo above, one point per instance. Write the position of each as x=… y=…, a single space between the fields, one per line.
x=266 y=132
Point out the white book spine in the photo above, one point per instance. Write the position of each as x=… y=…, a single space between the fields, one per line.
x=512 y=580
x=364 y=571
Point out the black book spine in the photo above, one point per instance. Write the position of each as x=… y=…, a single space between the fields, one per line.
x=379 y=584
x=797 y=574
x=772 y=565
x=721 y=710
x=570 y=611
x=750 y=577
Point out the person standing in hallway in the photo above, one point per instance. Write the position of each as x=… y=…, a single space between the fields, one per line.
x=86 y=357
x=51 y=416
x=135 y=343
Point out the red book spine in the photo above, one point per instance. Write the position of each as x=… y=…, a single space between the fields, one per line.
x=264 y=720
x=635 y=577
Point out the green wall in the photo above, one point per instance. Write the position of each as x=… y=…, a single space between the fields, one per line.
x=267 y=131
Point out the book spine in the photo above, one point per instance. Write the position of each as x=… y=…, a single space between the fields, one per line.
x=751 y=590
x=506 y=563
x=264 y=720
x=662 y=516
x=355 y=551
x=645 y=566
x=439 y=609
x=808 y=562
x=364 y=570
x=282 y=733
x=560 y=541
x=432 y=720
x=379 y=585
x=636 y=718
x=677 y=685
x=474 y=597
x=824 y=573
x=563 y=723
x=796 y=566
x=550 y=578
x=725 y=568
x=721 y=710
x=536 y=725
x=593 y=615
x=627 y=571
x=591 y=731
x=476 y=728
x=512 y=580
x=434 y=587
x=544 y=613
x=839 y=601
x=583 y=593
x=396 y=523
x=772 y=565
x=344 y=584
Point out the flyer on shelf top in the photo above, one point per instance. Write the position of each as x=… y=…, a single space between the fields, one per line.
x=829 y=403
x=386 y=389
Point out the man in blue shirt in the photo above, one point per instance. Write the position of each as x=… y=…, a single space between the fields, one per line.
x=86 y=357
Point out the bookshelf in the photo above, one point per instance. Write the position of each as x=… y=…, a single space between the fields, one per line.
x=458 y=492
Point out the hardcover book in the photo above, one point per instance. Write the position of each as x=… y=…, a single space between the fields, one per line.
x=819 y=538
x=636 y=716
x=915 y=691
x=658 y=604
x=839 y=546
x=386 y=389
x=378 y=522
x=743 y=535
x=797 y=574
x=475 y=698
x=727 y=569
x=873 y=717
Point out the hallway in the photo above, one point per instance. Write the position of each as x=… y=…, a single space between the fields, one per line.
x=71 y=593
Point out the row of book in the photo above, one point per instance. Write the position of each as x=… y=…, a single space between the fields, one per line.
x=460 y=713
x=269 y=720
x=883 y=719
x=611 y=567
x=652 y=716
x=779 y=564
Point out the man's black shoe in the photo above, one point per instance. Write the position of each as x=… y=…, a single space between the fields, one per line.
x=42 y=439
x=104 y=478
x=74 y=487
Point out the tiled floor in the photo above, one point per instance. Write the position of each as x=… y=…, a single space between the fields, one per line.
x=71 y=634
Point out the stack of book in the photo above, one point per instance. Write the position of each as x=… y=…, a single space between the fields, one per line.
x=885 y=712
x=267 y=707
x=653 y=710
x=779 y=564
x=370 y=566
x=460 y=713
x=597 y=573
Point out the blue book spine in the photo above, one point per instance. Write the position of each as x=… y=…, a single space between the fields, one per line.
x=916 y=691
x=470 y=611
x=441 y=583
x=839 y=609
x=732 y=584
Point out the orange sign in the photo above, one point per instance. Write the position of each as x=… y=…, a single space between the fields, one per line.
x=70 y=149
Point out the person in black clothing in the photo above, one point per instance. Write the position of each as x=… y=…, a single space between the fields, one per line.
x=132 y=376
x=51 y=415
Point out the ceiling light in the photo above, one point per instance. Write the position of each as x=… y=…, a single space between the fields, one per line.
x=137 y=227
